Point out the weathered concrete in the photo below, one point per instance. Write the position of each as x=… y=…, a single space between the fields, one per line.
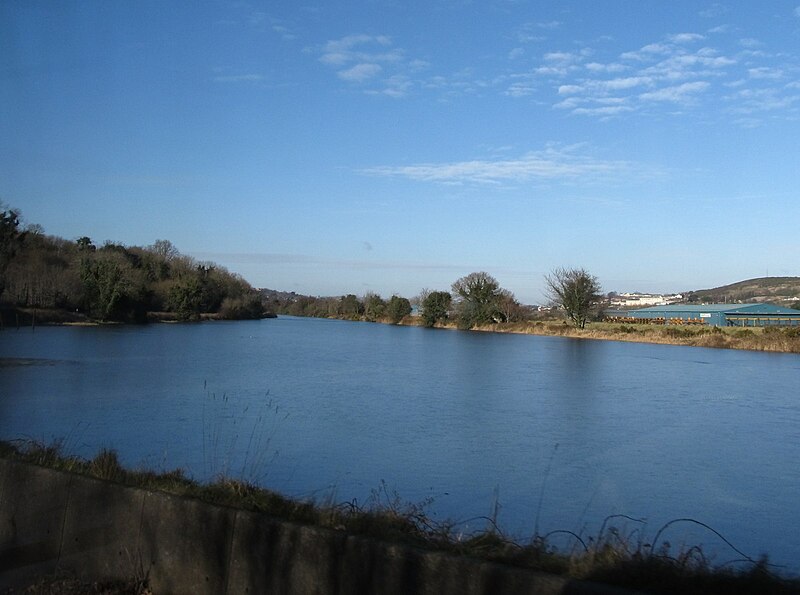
x=33 y=503
x=101 y=530
x=185 y=544
x=52 y=521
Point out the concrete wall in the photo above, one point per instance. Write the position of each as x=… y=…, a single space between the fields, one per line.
x=52 y=521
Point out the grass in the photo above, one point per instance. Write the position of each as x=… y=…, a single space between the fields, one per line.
x=774 y=339
x=616 y=556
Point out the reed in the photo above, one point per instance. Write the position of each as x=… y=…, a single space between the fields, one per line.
x=615 y=555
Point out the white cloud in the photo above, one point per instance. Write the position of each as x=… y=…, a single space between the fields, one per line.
x=548 y=165
x=762 y=100
x=647 y=52
x=520 y=89
x=797 y=11
x=560 y=57
x=677 y=93
x=605 y=86
x=359 y=72
x=570 y=89
x=720 y=29
x=395 y=86
x=666 y=71
x=348 y=49
x=611 y=67
x=764 y=72
x=685 y=37
x=750 y=42
x=610 y=110
x=625 y=83
x=372 y=61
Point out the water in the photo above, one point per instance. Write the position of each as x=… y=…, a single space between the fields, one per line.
x=561 y=432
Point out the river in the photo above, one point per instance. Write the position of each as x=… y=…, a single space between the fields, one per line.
x=559 y=432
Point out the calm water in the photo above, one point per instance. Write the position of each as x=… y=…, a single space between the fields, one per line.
x=561 y=430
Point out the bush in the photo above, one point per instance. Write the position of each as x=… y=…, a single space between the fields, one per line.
x=244 y=308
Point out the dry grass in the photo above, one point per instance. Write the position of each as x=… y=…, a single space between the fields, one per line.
x=783 y=340
x=614 y=556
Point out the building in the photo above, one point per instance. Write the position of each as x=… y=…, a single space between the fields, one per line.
x=717 y=315
x=636 y=300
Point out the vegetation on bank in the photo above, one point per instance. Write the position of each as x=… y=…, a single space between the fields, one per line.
x=65 y=280
x=773 y=339
x=476 y=299
x=436 y=309
x=614 y=556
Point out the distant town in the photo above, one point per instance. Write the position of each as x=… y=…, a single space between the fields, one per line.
x=640 y=300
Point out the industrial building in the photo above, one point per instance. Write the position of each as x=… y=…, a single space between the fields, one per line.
x=741 y=315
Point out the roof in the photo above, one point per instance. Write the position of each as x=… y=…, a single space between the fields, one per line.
x=725 y=308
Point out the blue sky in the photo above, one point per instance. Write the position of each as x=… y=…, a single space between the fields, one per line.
x=385 y=146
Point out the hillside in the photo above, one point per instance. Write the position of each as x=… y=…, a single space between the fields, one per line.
x=52 y=279
x=783 y=291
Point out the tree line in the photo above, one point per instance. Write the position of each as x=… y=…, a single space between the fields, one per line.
x=473 y=300
x=113 y=282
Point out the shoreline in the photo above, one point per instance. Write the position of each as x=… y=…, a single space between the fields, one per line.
x=606 y=561
x=766 y=339
x=773 y=340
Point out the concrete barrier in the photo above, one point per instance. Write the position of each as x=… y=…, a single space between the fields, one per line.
x=57 y=522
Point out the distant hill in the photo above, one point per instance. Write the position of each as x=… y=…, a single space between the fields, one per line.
x=783 y=291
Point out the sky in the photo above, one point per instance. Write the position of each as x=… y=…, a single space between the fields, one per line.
x=347 y=147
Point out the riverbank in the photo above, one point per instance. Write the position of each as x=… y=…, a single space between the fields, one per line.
x=772 y=339
x=374 y=540
x=12 y=318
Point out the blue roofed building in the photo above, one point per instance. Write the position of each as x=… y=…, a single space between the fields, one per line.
x=741 y=315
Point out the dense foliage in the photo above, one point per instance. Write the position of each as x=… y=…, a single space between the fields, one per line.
x=479 y=299
x=115 y=282
x=435 y=307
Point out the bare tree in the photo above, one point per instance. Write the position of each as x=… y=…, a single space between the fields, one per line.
x=508 y=306
x=574 y=290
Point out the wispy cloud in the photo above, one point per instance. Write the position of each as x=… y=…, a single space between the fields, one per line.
x=371 y=60
x=611 y=67
x=685 y=37
x=753 y=101
x=765 y=72
x=551 y=164
x=676 y=94
x=681 y=68
x=359 y=72
x=358 y=48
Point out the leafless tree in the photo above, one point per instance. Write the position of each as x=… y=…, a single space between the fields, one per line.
x=574 y=290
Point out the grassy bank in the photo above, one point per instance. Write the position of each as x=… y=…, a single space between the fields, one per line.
x=613 y=556
x=781 y=340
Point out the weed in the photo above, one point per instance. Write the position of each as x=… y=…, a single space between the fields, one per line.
x=223 y=426
x=616 y=555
